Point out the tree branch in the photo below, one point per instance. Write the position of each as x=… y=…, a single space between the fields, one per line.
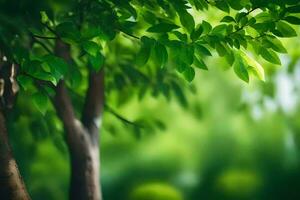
x=64 y=106
x=83 y=149
x=94 y=101
x=62 y=101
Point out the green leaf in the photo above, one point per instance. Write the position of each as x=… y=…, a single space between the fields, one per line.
x=96 y=61
x=239 y=16
x=187 y=20
x=175 y=47
x=276 y=44
x=196 y=33
x=285 y=29
x=161 y=54
x=258 y=70
x=270 y=56
x=244 y=21
x=223 y=5
x=236 y=4
x=25 y=81
x=228 y=19
x=206 y=27
x=221 y=49
x=251 y=21
x=91 y=48
x=230 y=58
x=162 y=28
x=45 y=76
x=240 y=68
x=90 y=31
x=44 y=17
x=202 y=50
x=145 y=51
x=34 y=69
x=41 y=102
x=130 y=9
x=292 y=20
x=58 y=66
x=180 y=36
x=189 y=74
x=181 y=66
x=199 y=63
x=293 y=9
x=49 y=91
x=219 y=30
x=20 y=55
x=68 y=31
x=149 y=17
x=187 y=54
x=263 y=17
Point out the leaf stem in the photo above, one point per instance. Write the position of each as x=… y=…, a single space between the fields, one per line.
x=44 y=37
x=42 y=44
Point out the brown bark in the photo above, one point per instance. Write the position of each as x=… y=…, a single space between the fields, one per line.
x=11 y=184
x=82 y=136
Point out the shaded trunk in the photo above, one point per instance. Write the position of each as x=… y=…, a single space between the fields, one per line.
x=11 y=184
x=82 y=137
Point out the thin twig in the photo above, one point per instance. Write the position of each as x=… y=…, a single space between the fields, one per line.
x=129 y=34
x=51 y=30
x=242 y=27
x=252 y=10
x=123 y=119
x=44 y=37
x=42 y=44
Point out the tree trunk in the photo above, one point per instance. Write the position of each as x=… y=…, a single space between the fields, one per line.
x=82 y=137
x=11 y=184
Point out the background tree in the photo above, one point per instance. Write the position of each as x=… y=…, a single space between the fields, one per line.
x=58 y=52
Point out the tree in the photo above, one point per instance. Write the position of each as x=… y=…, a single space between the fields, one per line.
x=54 y=49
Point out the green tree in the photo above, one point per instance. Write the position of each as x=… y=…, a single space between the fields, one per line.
x=62 y=52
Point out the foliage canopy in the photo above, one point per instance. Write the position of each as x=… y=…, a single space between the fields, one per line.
x=171 y=34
